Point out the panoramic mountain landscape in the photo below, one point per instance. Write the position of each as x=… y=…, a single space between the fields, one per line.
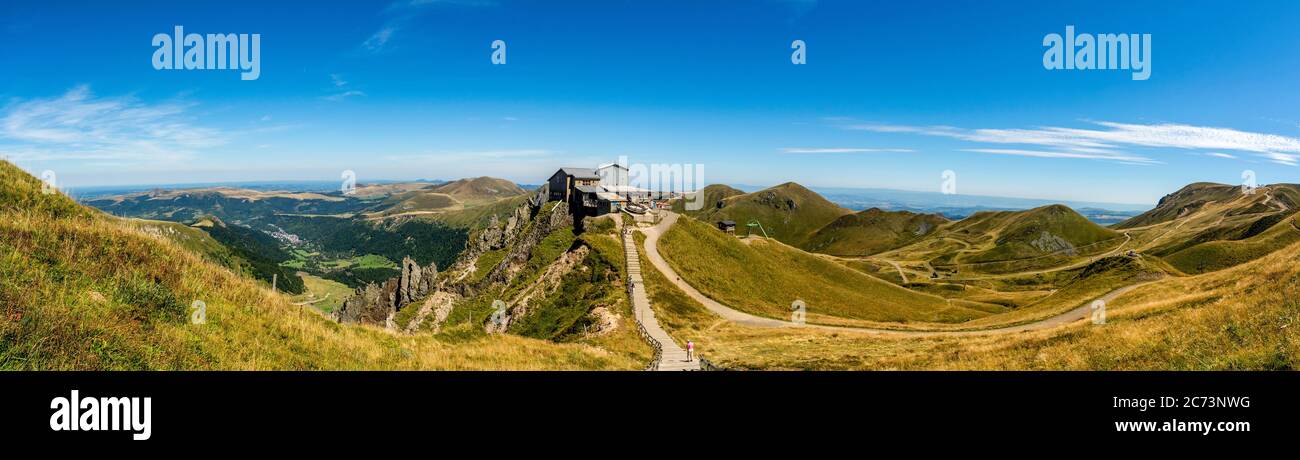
x=241 y=223
x=481 y=273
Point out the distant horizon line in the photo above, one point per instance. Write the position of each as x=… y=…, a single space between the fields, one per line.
x=188 y=185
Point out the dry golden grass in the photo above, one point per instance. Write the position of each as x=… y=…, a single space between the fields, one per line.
x=1241 y=318
x=763 y=277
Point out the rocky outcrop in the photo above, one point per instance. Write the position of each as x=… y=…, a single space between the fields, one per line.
x=377 y=303
x=1048 y=242
x=415 y=282
x=364 y=306
x=514 y=260
x=603 y=322
x=781 y=202
x=433 y=311
x=923 y=228
x=497 y=234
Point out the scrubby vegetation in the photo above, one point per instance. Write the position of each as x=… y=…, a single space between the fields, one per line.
x=564 y=315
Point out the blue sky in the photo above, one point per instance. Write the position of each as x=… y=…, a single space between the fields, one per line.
x=892 y=94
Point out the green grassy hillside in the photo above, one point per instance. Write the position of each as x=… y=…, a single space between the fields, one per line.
x=1177 y=204
x=1221 y=254
x=477 y=217
x=192 y=238
x=872 y=231
x=1011 y=241
x=1195 y=197
x=764 y=277
x=788 y=212
x=1037 y=232
x=322 y=294
x=1240 y=318
x=711 y=199
x=1219 y=226
x=241 y=249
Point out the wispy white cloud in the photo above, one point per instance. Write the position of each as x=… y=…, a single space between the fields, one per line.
x=380 y=38
x=842 y=150
x=341 y=89
x=344 y=95
x=1289 y=159
x=403 y=11
x=1106 y=143
x=80 y=126
x=1131 y=159
x=1221 y=155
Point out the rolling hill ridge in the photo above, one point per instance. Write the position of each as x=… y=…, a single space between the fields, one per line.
x=797 y=216
x=788 y=212
x=873 y=231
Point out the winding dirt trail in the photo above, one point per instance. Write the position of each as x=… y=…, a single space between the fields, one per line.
x=1081 y=312
x=900 y=270
x=1083 y=263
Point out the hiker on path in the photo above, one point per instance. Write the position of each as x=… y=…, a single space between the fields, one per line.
x=690 y=350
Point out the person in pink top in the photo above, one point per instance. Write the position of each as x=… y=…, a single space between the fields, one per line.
x=690 y=350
